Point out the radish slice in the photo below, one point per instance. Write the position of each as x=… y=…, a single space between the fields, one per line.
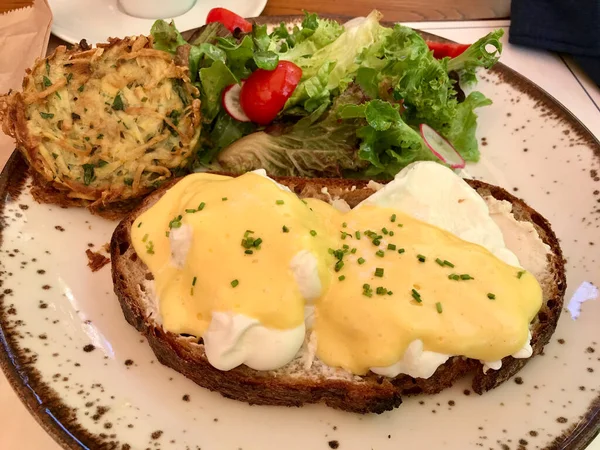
x=441 y=148
x=231 y=102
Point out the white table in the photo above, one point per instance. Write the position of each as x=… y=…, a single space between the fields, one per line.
x=555 y=74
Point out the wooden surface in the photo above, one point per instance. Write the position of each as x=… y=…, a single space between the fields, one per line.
x=398 y=10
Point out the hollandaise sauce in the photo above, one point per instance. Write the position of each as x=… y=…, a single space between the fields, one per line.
x=384 y=279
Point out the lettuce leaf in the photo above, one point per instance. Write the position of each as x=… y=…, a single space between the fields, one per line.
x=340 y=59
x=318 y=145
x=483 y=53
x=386 y=141
x=166 y=36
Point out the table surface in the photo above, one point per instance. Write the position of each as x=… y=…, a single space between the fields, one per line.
x=19 y=431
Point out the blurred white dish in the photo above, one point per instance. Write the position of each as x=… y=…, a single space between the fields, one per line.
x=97 y=20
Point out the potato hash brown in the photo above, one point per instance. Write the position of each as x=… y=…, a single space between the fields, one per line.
x=101 y=127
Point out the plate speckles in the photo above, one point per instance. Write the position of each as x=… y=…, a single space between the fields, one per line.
x=74 y=360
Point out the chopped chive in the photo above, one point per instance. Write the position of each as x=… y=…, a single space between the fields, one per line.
x=201 y=206
x=167 y=233
x=367 y=290
x=279 y=202
x=391 y=233
x=339 y=265
x=145 y=238
x=393 y=218
x=439 y=261
x=343 y=234
x=46 y=115
x=390 y=292
x=421 y=258
x=520 y=274
x=454 y=277
x=448 y=263
x=47 y=82
x=344 y=225
x=353 y=250
x=345 y=246
x=224 y=199
x=190 y=211
x=360 y=260
x=357 y=234
x=401 y=250
x=194 y=281
x=380 y=253
x=391 y=247
x=342 y=277
x=376 y=242
x=257 y=242
x=139 y=224
x=285 y=229
x=150 y=247
x=381 y=290
x=438 y=306
x=416 y=296
x=400 y=225
x=80 y=88
x=249 y=252
x=491 y=296
x=248 y=232
x=379 y=272
x=192 y=290
x=384 y=230
x=313 y=233
x=176 y=222
x=234 y=283
x=466 y=276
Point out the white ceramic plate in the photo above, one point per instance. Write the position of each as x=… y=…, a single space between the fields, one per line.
x=97 y=20
x=92 y=381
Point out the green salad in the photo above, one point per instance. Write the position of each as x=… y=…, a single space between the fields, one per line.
x=357 y=108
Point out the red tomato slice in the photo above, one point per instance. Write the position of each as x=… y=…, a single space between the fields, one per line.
x=229 y=19
x=442 y=49
x=265 y=92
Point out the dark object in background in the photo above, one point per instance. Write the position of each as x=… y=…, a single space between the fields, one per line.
x=565 y=26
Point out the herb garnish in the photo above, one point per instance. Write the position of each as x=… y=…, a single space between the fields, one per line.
x=47 y=82
x=491 y=296
x=360 y=260
x=391 y=246
x=117 y=103
x=367 y=290
x=234 y=283
x=520 y=274
x=380 y=253
x=379 y=272
x=421 y=258
x=285 y=229
x=313 y=233
x=150 y=247
x=88 y=174
x=279 y=202
x=416 y=296
x=176 y=222
x=46 y=115
x=438 y=306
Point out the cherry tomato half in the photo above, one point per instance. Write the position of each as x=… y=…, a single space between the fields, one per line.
x=442 y=49
x=265 y=92
x=228 y=19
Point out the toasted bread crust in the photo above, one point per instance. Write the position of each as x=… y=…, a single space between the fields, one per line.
x=368 y=394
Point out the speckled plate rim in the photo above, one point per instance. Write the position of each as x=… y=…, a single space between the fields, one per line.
x=48 y=412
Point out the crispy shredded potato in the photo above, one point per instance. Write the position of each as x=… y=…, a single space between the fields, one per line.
x=104 y=125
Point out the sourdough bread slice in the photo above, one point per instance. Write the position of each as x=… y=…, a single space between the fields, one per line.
x=310 y=381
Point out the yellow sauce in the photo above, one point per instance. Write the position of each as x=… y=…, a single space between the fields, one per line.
x=485 y=316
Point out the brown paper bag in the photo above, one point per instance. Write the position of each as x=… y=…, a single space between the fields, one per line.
x=24 y=35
